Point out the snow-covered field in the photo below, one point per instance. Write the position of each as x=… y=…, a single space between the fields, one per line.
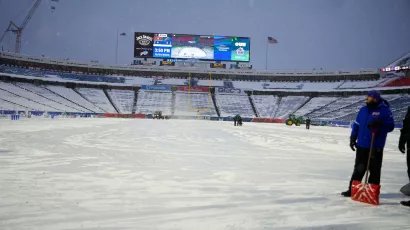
x=195 y=175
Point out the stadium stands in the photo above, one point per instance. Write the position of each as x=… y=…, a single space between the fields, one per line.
x=98 y=98
x=64 y=85
x=149 y=102
x=47 y=94
x=340 y=103
x=231 y=105
x=35 y=98
x=266 y=105
x=74 y=97
x=123 y=100
x=7 y=106
x=289 y=105
x=361 y=84
x=190 y=104
x=398 y=82
x=314 y=104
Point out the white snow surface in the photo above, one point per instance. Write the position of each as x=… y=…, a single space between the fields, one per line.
x=120 y=174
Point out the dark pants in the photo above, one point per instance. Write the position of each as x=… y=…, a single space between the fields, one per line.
x=307 y=126
x=234 y=122
x=360 y=165
x=408 y=159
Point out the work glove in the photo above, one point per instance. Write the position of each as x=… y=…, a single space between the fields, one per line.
x=402 y=145
x=353 y=143
x=375 y=125
x=402 y=141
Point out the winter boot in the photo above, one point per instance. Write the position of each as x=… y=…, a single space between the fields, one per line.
x=405 y=203
x=348 y=193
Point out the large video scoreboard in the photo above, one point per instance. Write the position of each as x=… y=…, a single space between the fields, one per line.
x=188 y=46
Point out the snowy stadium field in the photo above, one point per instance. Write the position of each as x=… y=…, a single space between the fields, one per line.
x=202 y=175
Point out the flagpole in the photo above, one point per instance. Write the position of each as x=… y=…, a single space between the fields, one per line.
x=266 y=58
x=116 y=50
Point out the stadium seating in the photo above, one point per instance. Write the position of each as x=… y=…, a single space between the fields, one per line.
x=398 y=82
x=148 y=102
x=122 y=99
x=231 y=105
x=189 y=104
x=74 y=97
x=5 y=105
x=98 y=98
x=47 y=94
x=320 y=86
x=314 y=104
x=361 y=84
x=340 y=103
x=266 y=105
x=289 y=105
x=49 y=105
x=24 y=102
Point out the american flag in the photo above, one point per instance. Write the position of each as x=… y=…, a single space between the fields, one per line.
x=271 y=40
x=123 y=34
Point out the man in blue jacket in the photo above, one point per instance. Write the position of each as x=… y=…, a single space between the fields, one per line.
x=377 y=118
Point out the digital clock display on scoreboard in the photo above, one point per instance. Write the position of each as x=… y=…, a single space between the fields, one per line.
x=190 y=46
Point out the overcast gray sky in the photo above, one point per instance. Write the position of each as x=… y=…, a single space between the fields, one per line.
x=331 y=34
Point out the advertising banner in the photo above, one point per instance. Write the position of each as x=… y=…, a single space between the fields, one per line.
x=223 y=90
x=157 y=87
x=193 y=89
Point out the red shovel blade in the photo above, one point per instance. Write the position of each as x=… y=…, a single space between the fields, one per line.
x=365 y=193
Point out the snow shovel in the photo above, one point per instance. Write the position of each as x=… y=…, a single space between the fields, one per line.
x=365 y=192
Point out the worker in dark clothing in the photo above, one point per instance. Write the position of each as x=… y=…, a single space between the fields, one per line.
x=308 y=123
x=376 y=117
x=404 y=142
x=237 y=120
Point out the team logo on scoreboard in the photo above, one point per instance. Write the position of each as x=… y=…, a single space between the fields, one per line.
x=144 y=40
x=240 y=51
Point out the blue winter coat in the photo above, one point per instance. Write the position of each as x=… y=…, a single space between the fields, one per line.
x=366 y=115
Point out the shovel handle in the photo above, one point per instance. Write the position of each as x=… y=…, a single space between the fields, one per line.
x=370 y=156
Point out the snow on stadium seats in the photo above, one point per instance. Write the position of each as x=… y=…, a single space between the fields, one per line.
x=352 y=108
x=266 y=105
x=139 y=80
x=318 y=86
x=289 y=104
x=398 y=105
x=313 y=104
x=149 y=102
x=341 y=102
x=42 y=91
x=53 y=106
x=188 y=104
x=231 y=105
x=5 y=105
x=98 y=98
x=216 y=83
x=123 y=100
x=403 y=102
x=21 y=71
x=361 y=84
x=399 y=115
x=73 y=96
x=172 y=81
x=16 y=99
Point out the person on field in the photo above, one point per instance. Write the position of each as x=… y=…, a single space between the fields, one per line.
x=308 y=121
x=404 y=142
x=376 y=117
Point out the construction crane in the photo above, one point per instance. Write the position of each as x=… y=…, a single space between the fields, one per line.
x=19 y=30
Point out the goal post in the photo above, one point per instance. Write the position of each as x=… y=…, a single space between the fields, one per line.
x=199 y=109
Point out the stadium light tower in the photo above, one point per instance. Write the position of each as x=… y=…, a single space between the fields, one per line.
x=18 y=30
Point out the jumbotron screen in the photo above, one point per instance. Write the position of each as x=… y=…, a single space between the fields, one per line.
x=188 y=46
